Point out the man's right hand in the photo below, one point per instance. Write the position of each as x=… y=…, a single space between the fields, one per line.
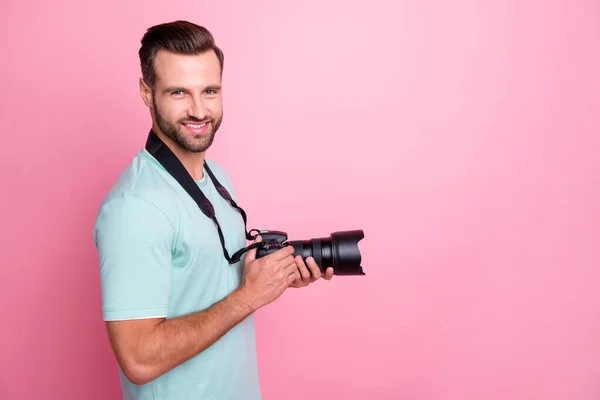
x=266 y=278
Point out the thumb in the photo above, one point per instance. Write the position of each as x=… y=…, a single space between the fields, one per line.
x=251 y=254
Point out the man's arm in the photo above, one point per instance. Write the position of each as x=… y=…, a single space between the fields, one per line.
x=147 y=348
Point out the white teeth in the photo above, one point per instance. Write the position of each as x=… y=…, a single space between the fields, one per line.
x=195 y=126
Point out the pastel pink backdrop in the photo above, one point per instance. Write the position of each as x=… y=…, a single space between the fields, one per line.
x=462 y=137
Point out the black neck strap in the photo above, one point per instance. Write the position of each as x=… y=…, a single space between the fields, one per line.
x=163 y=154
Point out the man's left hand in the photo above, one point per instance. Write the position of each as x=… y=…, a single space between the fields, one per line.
x=309 y=272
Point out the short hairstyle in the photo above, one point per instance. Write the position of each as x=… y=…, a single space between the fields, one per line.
x=181 y=37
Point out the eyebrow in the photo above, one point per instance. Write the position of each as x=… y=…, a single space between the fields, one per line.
x=182 y=89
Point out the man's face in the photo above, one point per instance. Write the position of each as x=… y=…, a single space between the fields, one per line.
x=187 y=98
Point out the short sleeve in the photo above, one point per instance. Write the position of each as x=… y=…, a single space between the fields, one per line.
x=134 y=240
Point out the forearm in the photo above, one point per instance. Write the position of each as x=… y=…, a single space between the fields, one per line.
x=176 y=340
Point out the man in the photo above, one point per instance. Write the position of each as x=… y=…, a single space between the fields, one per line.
x=179 y=316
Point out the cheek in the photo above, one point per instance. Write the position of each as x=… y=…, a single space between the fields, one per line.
x=173 y=110
x=216 y=108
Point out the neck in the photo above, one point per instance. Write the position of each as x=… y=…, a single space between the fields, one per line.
x=193 y=162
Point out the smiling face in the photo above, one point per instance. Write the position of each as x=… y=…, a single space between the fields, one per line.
x=186 y=101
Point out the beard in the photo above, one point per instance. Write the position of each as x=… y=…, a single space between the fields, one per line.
x=192 y=143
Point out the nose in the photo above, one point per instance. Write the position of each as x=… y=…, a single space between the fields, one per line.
x=198 y=109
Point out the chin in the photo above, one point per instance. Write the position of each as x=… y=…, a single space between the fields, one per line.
x=196 y=145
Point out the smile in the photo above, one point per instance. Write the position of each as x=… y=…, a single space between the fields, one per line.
x=196 y=126
x=196 y=129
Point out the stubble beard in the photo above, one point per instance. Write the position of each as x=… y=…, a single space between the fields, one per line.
x=192 y=143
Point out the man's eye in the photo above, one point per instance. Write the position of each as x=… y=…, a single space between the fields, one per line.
x=177 y=92
x=210 y=91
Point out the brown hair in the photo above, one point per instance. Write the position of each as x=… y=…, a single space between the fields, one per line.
x=180 y=37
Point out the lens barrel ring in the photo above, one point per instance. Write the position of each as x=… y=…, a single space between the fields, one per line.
x=316 y=252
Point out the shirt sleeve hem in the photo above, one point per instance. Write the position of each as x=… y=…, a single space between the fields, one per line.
x=121 y=315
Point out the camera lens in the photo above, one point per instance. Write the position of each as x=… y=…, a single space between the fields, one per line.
x=339 y=250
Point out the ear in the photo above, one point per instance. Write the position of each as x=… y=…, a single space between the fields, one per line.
x=145 y=93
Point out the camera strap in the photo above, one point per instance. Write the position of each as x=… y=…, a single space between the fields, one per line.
x=163 y=154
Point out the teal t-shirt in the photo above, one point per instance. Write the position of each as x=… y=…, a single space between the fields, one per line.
x=160 y=256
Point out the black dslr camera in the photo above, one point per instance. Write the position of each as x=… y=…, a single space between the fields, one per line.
x=339 y=250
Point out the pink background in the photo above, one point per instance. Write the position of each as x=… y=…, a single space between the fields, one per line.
x=461 y=136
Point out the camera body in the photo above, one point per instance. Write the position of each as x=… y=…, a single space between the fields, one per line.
x=271 y=242
x=339 y=250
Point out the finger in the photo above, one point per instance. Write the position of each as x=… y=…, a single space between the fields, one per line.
x=291 y=278
x=251 y=254
x=314 y=268
x=302 y=269
x=289 y=265
x=297 y=283
x=282 y=253
x=329 y=273
x=291 y=271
